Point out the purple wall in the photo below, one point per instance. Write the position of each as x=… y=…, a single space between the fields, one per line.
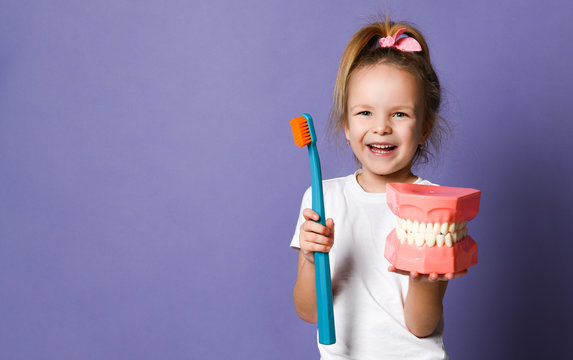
x=149 y=184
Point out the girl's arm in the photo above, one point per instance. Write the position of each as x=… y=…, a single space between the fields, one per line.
x=313 y=237
x=304 y=291
x=423 y=308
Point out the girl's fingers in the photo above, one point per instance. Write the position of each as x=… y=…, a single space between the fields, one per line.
x=317 y=239
x=330 y=224
x=450 y=276
x=324 y=245
x=310 y=214
x=318 y=247
x=432 y=277
x=312 y=232
x=393 y=269
x=316 y=228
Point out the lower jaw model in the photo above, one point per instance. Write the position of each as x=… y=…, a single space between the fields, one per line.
x=431 y=234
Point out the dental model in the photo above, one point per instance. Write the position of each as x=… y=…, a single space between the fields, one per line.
x=431 y=234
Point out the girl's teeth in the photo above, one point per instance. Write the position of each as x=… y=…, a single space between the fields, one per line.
x=383 y=149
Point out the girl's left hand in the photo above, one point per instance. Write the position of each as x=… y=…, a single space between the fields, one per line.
x=432 y=277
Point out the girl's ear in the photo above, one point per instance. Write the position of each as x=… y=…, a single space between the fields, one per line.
x=427 y=129
x=346 y=132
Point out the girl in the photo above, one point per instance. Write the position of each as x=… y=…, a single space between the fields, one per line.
x=386 y=101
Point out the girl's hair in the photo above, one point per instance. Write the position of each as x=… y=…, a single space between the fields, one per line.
x=363 y=50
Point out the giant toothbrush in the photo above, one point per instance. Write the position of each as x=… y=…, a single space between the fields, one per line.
x=304 y=135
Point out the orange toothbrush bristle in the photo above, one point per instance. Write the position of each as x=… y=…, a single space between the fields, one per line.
x=300 y=131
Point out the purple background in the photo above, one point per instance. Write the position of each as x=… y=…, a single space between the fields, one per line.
x=149 y=184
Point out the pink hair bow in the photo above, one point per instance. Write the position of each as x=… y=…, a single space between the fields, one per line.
x=403 y=44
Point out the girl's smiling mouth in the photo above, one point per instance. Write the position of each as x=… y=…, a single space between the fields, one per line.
x=382 y=149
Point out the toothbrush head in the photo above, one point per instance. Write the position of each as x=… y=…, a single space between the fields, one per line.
x=303 y=130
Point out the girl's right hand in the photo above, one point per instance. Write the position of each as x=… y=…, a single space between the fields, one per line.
x=314 y=236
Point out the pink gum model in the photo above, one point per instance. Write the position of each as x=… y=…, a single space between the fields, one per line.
x=432 y=204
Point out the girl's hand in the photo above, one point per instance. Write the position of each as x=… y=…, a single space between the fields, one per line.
x=432 y=277
x=314 y=236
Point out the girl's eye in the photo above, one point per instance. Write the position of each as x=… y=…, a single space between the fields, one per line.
x=365 y=113
x=400 y=114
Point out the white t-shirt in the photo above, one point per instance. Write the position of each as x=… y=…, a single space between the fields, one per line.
x=368 y=299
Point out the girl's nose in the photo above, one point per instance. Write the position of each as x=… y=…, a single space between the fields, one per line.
x=382 y=126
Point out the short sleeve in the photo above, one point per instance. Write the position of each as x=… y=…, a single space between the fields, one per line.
x=421 y=181
x=305 y=204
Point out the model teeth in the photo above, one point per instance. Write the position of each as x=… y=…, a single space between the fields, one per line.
x=419 y=238
x=431 y=234
x=448 y=239
x=452 y=227
x=430 y=239
x=436 y=228
x=430 y=228
x=444 y=228
x=440 y=240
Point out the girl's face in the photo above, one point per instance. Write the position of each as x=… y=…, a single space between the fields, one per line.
x=385 y=116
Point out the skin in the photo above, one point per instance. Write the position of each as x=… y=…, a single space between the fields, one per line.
x=384 y=105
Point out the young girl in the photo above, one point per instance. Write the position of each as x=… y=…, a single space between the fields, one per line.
x=386 y=101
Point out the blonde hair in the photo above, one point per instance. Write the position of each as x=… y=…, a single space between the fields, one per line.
x=363 y=50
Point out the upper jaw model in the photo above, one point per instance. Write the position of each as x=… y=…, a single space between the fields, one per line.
x=430 y=234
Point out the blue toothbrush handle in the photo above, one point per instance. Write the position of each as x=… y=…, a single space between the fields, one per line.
x=326 y=334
